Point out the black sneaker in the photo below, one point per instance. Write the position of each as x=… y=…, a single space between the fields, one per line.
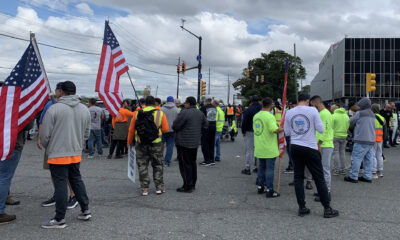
x=85 y=215
x=246 y=171
x=272 y=194
x=330 y=213
x=309 y=185
x=304 y=211
x=205 y=164
x=349 y=179
x=72 y=203
x=288 y=170
x=261 y=189
x=362 y=179
x=49 y=203
x=185 y=189
x=211 y=163
x=255 y=170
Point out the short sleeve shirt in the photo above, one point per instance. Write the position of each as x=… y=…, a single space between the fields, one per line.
x=95 y=117
x=265 y=138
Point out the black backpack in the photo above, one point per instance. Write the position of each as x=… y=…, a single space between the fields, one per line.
x=145 y=127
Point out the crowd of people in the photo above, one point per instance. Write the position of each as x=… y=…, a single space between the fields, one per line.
x=316 y=135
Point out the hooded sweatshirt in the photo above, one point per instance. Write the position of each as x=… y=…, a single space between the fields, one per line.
x=340 y=123
x=65 y=128
x=171 y=112
x=364 y=121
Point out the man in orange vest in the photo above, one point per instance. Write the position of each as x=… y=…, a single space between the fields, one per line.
x=377 y=166
x=230 y=113
x=238 y=114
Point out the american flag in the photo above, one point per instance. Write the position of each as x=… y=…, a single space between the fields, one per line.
x=112 y=65
x=22 y=96
x=281 y=141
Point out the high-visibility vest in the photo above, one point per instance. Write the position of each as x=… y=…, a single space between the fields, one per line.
x=158 y=115
x=238 y=111
x=229 y=111
x=278 y=115
x=379 y=128
x=220 y=119
x=233 y=127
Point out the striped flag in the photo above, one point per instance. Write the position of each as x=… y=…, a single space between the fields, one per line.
x=112 y=66
x=22 y=96
x=281 y=142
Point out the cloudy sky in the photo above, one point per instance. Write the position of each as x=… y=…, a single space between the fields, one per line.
x=233 y=32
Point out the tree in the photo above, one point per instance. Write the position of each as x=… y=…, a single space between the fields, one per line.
x=305 y=89
x=272 y=66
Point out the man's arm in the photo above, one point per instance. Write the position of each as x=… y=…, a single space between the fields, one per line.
x=204 y=123
x=319 y=126
x=46 y=128
x=244 y=122
x=287 y=125
x=180 y=121
x=164 y=124
x=87 y=127
x=354 y=118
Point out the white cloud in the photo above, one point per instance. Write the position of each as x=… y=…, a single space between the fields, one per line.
x=84 y=8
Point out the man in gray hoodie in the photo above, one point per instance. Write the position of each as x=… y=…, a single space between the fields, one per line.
x=171 y=112
x=66 y=127
x=364 y=139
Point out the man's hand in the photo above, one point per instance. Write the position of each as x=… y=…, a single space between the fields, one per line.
x=39 y=145
x=279 y=130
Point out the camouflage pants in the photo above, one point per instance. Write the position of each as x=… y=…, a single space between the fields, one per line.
x=154 y=154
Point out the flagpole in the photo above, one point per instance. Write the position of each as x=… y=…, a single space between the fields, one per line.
x=130 y=79
x=36 y=48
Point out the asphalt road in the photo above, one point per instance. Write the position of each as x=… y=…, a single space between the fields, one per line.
x=225 y=204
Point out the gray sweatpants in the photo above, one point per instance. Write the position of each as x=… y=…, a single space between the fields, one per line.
x=326 y=154
x=249 y=141
x=339 y=154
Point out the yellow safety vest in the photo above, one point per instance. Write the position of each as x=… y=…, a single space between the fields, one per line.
x=158 y=115
x=278 y=115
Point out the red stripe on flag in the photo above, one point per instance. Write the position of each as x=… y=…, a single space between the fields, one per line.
x=14 y=119
x=123 y=70
x=3 y=99
x=101 y=66
x=110 y=71
x=117 y=54
x=32 y=102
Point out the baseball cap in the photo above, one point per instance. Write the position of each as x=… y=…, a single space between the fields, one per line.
x=170 y=99
x=59 y=85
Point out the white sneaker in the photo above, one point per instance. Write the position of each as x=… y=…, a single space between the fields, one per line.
x=380 y=174
x=90 y=156
x=374 y=176
x=145 y=192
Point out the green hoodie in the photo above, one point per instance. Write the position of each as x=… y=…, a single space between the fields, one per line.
x=340 y=123
x=327 y=136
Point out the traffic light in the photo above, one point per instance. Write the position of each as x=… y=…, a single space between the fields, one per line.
x=178 y=69
x=262 y=78
x=370 y=82
x=247 y=73
x=203 y=88
x=183 y=67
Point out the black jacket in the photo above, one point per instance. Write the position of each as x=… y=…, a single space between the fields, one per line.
x=187 y=126
x=247 y=122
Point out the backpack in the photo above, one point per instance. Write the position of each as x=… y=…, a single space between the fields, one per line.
x=145 y=127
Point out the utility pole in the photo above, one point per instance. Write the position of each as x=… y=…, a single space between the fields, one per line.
x=199 y=76
x=157 y=91
x=229 y=89
x=209 y=81
x=177 y=86
x=295 y=77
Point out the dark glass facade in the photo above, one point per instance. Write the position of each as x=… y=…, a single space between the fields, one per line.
x=376 y=55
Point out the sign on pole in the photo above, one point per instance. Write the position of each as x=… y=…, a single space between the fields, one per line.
x=132 y=164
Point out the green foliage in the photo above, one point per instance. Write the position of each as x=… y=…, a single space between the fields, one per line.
x=305 y=89
x=272 y=66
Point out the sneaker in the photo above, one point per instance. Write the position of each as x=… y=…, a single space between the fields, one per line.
x=330 y=213
x=86 y=215
x=309 y=185
x=246 y=171
x=374 y=176
x=205 y=164
x=304 y=211
x=349 y=179
x=90 y=156
x=288 y=170
x=272 y=194
x=380 y=174
x=54 y=224
x=50 y=202
x=160 y=191
x=185 y=189
x=362 y=179
x=255 y=170
x=11 y=201
x=261 y=189
x=72 y=203
x=335 y=173
x=145 y=192
x=166 y=165
x=5 y=218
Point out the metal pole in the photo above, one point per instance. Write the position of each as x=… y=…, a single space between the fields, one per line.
x=295 y=79
x=36 y=48
x=229 y=89
x=137 y=98
x=157 y=91
x=209 y=81
x=177 y=86
x=199 y=74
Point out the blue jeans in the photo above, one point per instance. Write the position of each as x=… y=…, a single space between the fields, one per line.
x=362 y=152
x=169 y=142
x=7 y=170
x=218 y=145
x=266 y=178
x=95 y=135
x=103 y=140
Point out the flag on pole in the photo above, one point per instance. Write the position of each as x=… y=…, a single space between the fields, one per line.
x=22 y=96
x=281 y=142
x=112 y=66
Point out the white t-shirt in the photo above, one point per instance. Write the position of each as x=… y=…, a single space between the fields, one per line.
x=301 y=123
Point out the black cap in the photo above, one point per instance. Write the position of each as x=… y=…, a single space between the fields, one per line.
x=58 y=86
x=68 y=88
